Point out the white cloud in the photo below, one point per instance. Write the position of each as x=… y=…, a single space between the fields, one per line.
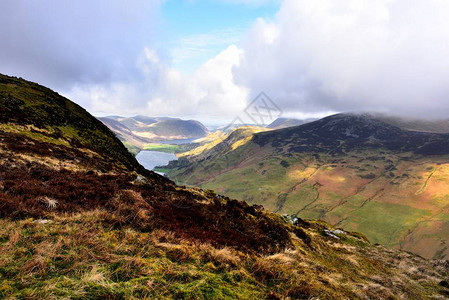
x=62 y=43
x=341 y=55
x=210 y=93
x=316 y=56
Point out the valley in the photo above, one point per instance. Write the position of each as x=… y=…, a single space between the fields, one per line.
x=355 y=172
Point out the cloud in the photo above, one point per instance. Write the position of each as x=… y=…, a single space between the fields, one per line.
x=346 y=55
x=61 y=43
x=209 y=93
x=109 y=58
x=189 y=52
x=314 y=57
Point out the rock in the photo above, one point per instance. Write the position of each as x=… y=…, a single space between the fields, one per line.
x=338 y=231
x=330 y=233
x=43 y=221
x=140 y=180
x=258 y=207
x=333 y=233
x=292 y=219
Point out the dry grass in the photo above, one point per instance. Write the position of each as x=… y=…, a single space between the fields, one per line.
x=80 y=256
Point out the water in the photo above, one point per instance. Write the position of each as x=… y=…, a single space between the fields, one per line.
x=152 y=159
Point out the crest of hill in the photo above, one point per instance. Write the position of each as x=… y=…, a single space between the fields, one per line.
x=344 y=132
x=57 y=120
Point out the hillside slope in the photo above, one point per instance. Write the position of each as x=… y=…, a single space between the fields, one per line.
x=30 y=112
x=354 y=171
x=79 y=220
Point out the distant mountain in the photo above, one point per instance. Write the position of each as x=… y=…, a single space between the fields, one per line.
x=357 y=171
x=174 y=128
x=81 y=219
x=280 y=123
x=160 y=128
x=139 y=131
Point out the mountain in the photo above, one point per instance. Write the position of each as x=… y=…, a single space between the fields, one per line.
x=174 y=129
x=162 y=128
x=80 y=219
x=355 y=171
x=280 y=123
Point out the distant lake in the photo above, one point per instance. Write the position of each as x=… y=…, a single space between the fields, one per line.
x=152 y=159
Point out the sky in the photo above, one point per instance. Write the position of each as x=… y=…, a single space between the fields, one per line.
x=208 y=60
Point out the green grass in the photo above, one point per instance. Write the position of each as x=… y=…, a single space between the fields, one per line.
x=81 y=257
x=384 y=223
x=163 y=148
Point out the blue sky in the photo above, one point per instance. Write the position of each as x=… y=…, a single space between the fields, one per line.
x=199 y=30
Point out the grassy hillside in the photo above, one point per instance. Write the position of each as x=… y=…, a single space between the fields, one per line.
x=356 y=172
x=29 y=111
x=76 y=222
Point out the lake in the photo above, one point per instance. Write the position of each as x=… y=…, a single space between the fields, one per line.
x=152 y=159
